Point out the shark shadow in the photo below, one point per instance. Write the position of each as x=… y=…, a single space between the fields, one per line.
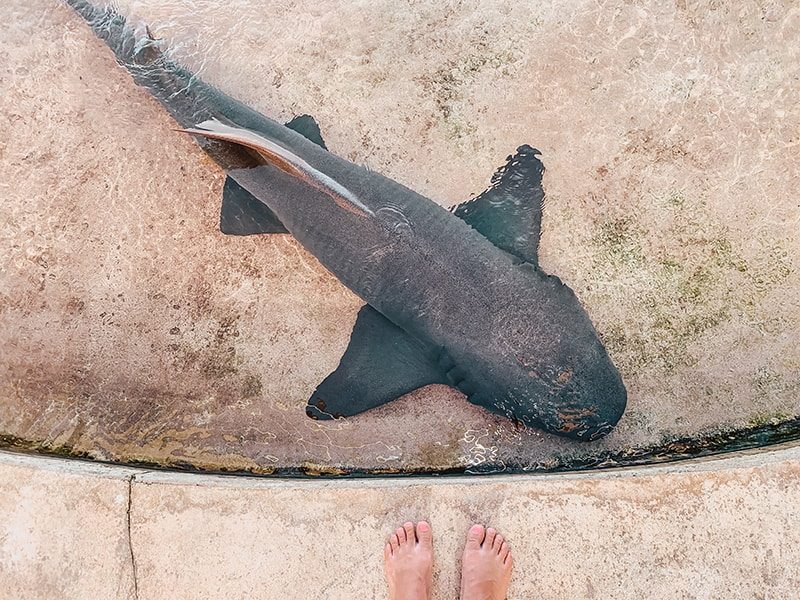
x=452 y=297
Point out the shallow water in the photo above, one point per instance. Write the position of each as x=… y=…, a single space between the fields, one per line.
x=132 y=330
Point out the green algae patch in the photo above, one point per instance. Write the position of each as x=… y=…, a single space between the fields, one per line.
x=440 y=454
x=619 y=243
x=677 y=287
x=448 y=86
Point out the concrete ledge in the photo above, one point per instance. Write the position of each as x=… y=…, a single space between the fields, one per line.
x=709 y=529
x=64 y=529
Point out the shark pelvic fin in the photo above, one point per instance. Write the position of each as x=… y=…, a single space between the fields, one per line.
x=283 y=159
x=306 y=126
x=381 y=364
x=509 y=213
x=244 y=214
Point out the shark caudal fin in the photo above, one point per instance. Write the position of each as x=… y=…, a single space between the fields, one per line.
x=244 y=214
x=509 y=213
x=381 y=364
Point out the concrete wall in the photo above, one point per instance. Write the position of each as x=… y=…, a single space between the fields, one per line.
x=727 y=528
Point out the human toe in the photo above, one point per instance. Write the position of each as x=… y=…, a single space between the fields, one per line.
x=401 y=535
x=489 y=539
x=408 y=528
x=424 y=533
x=475 y=536
x=504 y=550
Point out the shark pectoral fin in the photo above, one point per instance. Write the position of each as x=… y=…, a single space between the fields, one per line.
x=381 y=364
x=509 y=213
x=244 y=214
x=306 y=126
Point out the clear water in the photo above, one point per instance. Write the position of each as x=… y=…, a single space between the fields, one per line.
x=133 y=330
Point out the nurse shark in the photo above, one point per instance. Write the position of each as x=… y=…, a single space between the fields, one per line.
x=453 y=297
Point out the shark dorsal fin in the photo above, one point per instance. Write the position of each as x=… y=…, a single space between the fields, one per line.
x=509 y=213
x=306 y=126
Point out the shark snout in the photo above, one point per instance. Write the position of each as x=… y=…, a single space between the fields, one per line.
x=584 y=406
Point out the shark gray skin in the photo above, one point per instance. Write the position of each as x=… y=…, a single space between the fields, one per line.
x=453 y=297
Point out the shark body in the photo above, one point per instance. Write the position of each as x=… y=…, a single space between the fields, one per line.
x=453 y=297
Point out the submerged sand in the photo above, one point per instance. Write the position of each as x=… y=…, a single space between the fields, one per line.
x=131 y=329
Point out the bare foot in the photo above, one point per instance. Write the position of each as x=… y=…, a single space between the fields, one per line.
x=408 y=561
x=485 y=566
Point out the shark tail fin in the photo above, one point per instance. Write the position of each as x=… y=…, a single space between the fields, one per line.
x=112 y=27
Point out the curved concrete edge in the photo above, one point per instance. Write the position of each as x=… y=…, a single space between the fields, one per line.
x=727 y=527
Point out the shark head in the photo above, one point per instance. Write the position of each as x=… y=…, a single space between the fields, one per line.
x=583 y=402
x=589 y=405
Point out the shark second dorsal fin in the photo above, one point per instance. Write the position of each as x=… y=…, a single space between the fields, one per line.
x=509 y=213
x=381 y=364
x=306 y=126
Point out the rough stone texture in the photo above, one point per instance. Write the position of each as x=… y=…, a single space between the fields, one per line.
x=732 y=531
x=714 y=529
x=63 y=531
x=130 y=329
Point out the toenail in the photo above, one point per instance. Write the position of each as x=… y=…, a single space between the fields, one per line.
x=476 y=534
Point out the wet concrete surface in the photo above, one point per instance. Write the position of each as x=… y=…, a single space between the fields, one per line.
x=132 y=330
